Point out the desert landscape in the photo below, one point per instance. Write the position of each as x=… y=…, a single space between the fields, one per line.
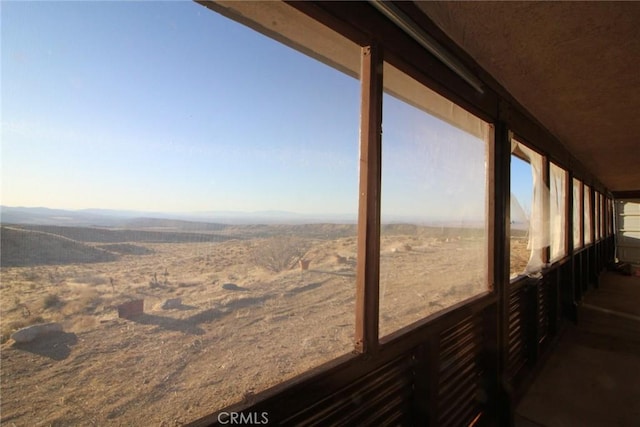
x=229 y=310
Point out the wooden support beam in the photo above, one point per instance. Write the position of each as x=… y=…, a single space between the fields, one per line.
x=593 y=259
x=546 y=167
x=592 y=214
x=567 y=290
x=581 y=212
x=501 y=255
x=368 y=277
x=568 y=189
x=632 y=194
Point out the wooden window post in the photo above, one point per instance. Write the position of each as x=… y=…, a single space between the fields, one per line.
x=368 y=277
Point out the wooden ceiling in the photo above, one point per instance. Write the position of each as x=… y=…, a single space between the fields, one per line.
x=575 y=66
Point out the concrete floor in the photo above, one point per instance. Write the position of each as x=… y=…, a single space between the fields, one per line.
x=592 y=377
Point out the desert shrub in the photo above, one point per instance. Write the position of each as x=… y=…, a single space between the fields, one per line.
x=91 y=279
x=187 y=284
x=87 y=301
x=31 y=275
x=81 y=323
x=51 y=300
x=55 y=276
x=279 y=253
x=154 y=283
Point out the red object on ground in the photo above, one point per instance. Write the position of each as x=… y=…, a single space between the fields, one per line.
x=131 y=309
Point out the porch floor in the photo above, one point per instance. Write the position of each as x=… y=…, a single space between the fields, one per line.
x=592 y=377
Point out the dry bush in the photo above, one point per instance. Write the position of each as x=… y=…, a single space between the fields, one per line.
x=188 y=284
x=279 y=253
x=81 y=323
x=51 y=300
x=87 y=301
x=91 y=279
x=31 y=275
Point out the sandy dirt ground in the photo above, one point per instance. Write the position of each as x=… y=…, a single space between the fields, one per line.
x=240 y=327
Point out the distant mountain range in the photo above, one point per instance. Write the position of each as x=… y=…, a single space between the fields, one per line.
x=193 y=221
x=46 y=216
x=137 y=219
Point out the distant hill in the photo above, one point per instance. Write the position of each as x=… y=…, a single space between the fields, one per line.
x=46 y=216
x=184 y=221
x=162 y=224
x=27 y=248
x=314 y=231
x=109 y=235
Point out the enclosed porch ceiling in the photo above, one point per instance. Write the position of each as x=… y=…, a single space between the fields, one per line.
x=574 y=66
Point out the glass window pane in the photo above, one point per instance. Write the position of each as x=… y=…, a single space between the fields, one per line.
x=597 y=215
x=609 y=221
x=607 y=225
x=603 y=216
x=206 y=181
x=521 y=199
x=434 y=201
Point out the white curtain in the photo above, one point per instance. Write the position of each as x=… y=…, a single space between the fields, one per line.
x=577 y=217
x=588 y=220
x=603 y=216
x=557 y=211
x=539 y=219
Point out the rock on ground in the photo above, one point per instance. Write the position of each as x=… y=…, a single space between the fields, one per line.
x=32 y=332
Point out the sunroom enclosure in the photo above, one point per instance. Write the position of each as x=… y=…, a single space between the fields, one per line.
x=469 y=362
x=467 y=237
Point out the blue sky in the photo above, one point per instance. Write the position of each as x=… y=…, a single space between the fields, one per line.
x=430 y=168
x=159 y=107
x=521 y=189
x=167 y=106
